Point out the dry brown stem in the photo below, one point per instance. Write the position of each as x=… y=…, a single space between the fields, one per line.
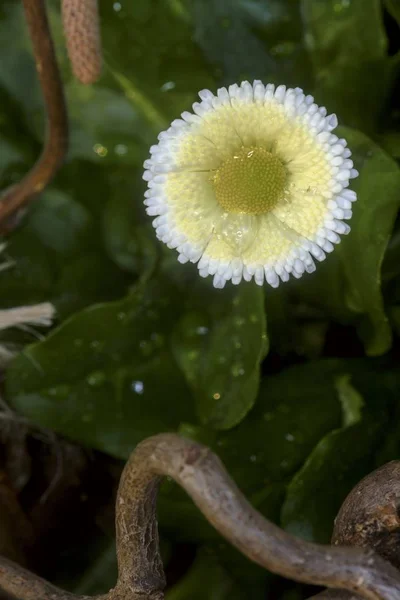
x=17 y=196
x=359 y=571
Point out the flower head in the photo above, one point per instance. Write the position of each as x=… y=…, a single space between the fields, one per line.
x=253 y=184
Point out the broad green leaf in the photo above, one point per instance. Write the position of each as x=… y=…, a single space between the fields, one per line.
x=350 y=399
x=88 y=279
x=57 y=257
x=61 y=224
x=105 y=127
x=294 y=410
x=111 y=409
x=161 y=72
x=103 y=377
x=348 y=46
x=31 y=276
x=129 y=242
x=338 y=461
x=269 y=31
x=362 y=252
x=220 y=350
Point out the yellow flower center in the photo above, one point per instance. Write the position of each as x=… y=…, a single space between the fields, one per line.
x=251 y=182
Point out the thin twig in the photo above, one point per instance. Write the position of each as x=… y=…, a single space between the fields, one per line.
x=17 y=196
x=202 y=475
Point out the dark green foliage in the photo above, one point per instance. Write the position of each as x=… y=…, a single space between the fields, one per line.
x=142 y=344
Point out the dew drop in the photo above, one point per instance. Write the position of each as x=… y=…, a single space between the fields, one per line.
x=202 y=330
x=100 y=150
x=167 y=86
x=239 y=321
x=137 y=386
x=237 y=370
x=121 y=149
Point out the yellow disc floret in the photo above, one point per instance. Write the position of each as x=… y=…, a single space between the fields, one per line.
x=252 y=181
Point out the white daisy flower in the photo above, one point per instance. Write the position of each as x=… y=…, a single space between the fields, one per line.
x=253 y=184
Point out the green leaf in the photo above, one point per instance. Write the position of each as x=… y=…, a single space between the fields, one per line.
x=30 y=278
x=111 y=409
x=338 y=461
x=220 y=351
x=57 y=256
x=362 y=252
x=293 y=411
x=100 y=378
x=60 y=223
x=105 y=127
x=130 y=243
x=270 y=32
x=348 y=46
x=350 y=399
x=88 y=279
x=163 y=70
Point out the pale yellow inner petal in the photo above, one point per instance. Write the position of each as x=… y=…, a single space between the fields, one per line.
x=284 y=195
x=192 y=205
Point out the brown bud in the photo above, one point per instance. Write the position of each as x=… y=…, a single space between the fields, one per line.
x=82 y=32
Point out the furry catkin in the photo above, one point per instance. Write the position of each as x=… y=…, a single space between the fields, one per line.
x=82 y=32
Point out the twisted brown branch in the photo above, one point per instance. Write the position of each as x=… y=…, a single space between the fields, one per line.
x=81 y=25
x=202 y=475
x=17 y=196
